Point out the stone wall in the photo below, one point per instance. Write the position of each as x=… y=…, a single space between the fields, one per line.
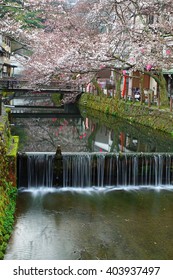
x=8 y=182
x=134 y=112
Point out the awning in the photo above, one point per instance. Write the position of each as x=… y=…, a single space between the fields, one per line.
x=10 y=65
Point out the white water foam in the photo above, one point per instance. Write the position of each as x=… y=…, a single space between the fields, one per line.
x=95 y=190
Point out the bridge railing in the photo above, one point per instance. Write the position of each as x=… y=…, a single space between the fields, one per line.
x=15 y=83
x=12 y=83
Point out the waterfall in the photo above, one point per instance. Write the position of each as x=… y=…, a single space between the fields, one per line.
x=35 y=170
x=96 y=169
x=40 y=171
x=77 y=170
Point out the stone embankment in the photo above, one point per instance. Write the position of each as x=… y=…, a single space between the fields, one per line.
x=160 y=119
x=8 y=178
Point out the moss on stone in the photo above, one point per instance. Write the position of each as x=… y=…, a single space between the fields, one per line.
x=13 y=147
x=8 y=190
x=134 y=112
x=56 y=99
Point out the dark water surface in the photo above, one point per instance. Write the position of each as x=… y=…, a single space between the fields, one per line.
x=86 y=133
x=92 y=224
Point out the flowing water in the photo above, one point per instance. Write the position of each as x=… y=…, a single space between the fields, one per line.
x=107 y=207
x=85 y=170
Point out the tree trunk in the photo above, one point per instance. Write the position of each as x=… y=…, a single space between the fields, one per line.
x=163 y=91
x=163 y=95
x=97 y=87
x=118 y=79
x=142 y=95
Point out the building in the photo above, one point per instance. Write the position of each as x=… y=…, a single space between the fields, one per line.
x=6 y=67
x=13 y=56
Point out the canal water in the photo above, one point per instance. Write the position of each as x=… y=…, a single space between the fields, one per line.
x=91 y=224
x=96 y=221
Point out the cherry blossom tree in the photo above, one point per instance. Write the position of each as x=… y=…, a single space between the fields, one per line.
x=74 y=43
x=137 y=35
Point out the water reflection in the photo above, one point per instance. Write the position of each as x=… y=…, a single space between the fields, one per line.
x=97 y=225
x=88 y=134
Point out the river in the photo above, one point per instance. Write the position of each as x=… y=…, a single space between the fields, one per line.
x=92 y=222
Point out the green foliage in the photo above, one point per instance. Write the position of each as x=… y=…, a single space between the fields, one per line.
x=21 y=135
x=13 y=147
x=7 y=110
x=6 y=93
x=97 y=87
x=56 y=99
x=7 y=190
x=31 y=19
x=7 y=208
x=9 y=7
x=107 y=110
x=17 y=11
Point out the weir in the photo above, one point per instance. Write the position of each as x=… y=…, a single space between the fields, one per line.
x=94 y=170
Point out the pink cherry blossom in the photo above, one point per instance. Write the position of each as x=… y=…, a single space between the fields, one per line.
x=148 y=67
x=70 y=47
x=168 y=52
